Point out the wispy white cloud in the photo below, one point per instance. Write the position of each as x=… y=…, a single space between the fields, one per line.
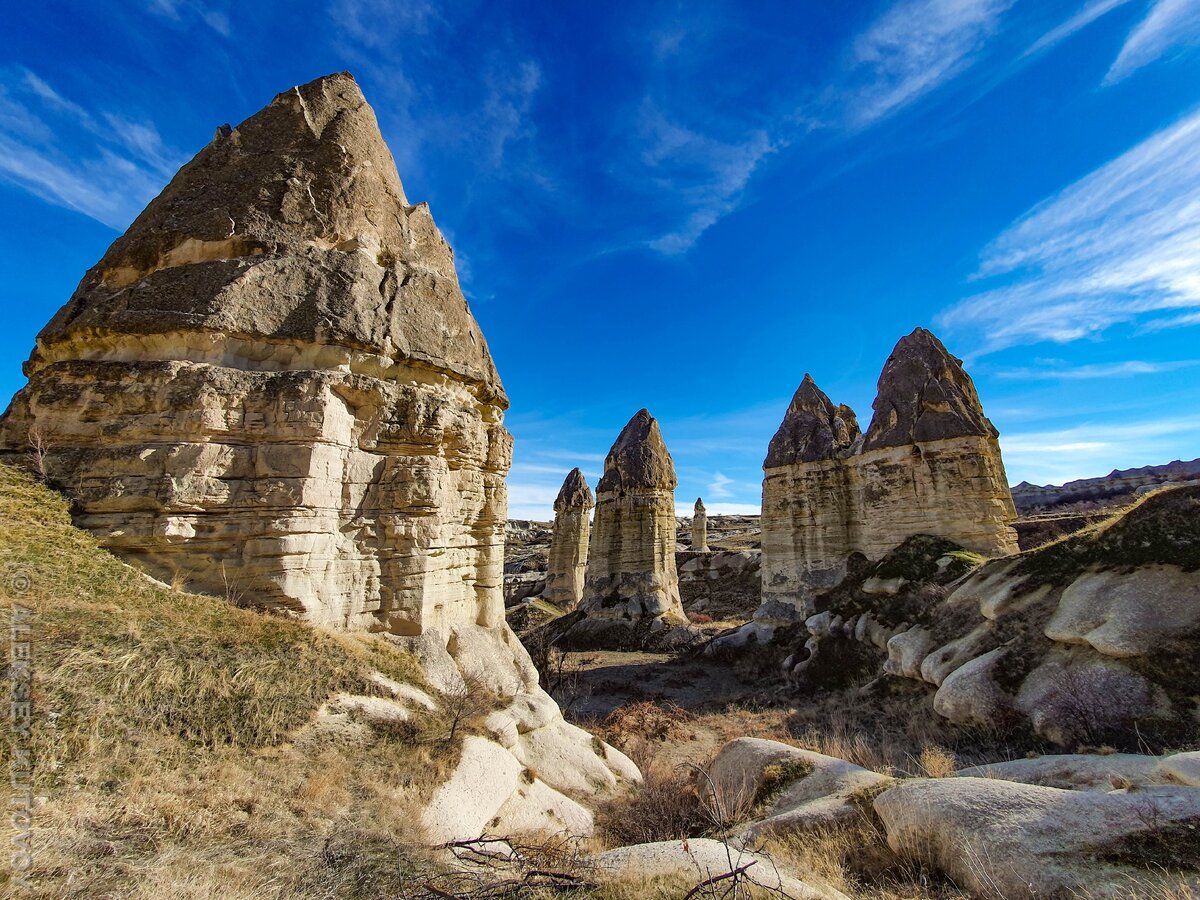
x=1090 y=12
x=705 y=176
x=1169 y=25
x=1120 y=245
x=378 y=23
x=184 y=12
x=718 y=488
x=915 y=47
x=102 y=164
x=1127 y=369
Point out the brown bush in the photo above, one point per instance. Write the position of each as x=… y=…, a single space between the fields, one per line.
x=699 y=618
x=666 y=807
x=644 y=722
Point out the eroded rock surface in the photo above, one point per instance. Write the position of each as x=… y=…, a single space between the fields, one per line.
x=928 y=464
x=1004 y=839
x=569 y=546
x=631 y=594
x=271 y=386
x=271 y=389
x=1089 y=640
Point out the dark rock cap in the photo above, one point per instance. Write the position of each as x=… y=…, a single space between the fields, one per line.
x=812 y=429
x=575 y=493
x=699 y=508
x=293 y=226
x=639 y=458
x=924 y=395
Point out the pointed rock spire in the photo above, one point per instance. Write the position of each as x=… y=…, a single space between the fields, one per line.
x=700 y=527
x=924 y=395
x=293 y=226
x=639 y=458
x=275 y=316
x=812 y=429
x=575 y=493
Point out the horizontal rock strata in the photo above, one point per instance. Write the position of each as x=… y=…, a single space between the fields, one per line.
x=271 y=386
x=929 y=464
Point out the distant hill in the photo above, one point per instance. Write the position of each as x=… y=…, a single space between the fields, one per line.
x=1117 y=483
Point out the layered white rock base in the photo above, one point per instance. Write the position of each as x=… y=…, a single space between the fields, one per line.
x=533 y=772
x=536 y=770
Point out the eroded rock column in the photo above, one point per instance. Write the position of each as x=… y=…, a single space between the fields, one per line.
x=631 y=594
x=569 y=544
x=700 y=527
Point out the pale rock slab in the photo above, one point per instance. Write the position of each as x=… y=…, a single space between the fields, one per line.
x=492 y=793
x=822 y=795
x=1122 y=614
x=704 y=858
x=1001 y=838
x=1079 y=771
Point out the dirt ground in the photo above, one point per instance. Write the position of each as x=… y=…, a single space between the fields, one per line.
x=708 y=702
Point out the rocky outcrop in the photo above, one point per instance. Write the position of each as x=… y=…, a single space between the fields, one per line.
x=271 y=386
x=1113 y=487
x=1002 y=839
x=1088 y=640
x=697 y=861
x=700 y=527
x=724 y=584
x=928 y=464
x=780 y=788
x=569 y=546
x=631 y=594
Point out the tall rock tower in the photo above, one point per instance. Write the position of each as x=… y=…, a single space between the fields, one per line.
x=928 y=464
x=272 y=387
x=631 y=594
x=700 y=527
x=569 y=543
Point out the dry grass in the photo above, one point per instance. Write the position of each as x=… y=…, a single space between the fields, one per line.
x=163 y=729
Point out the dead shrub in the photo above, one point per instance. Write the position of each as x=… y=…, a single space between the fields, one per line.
x=666 y=807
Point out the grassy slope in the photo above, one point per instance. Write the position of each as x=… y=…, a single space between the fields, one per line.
x=171 y=757
x=161 y=734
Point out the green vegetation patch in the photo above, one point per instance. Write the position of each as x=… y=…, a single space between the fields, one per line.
x=777 y=778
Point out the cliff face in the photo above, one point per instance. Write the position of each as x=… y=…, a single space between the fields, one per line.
x=928 y=464
x=271 y=385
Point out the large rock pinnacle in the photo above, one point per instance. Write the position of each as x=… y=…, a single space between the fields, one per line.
x=924 y=394
x=812 y=429
x=271 y=385
x=929 y=464
x=631 y=595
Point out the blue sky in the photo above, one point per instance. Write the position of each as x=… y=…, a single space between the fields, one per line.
x=687 y=206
